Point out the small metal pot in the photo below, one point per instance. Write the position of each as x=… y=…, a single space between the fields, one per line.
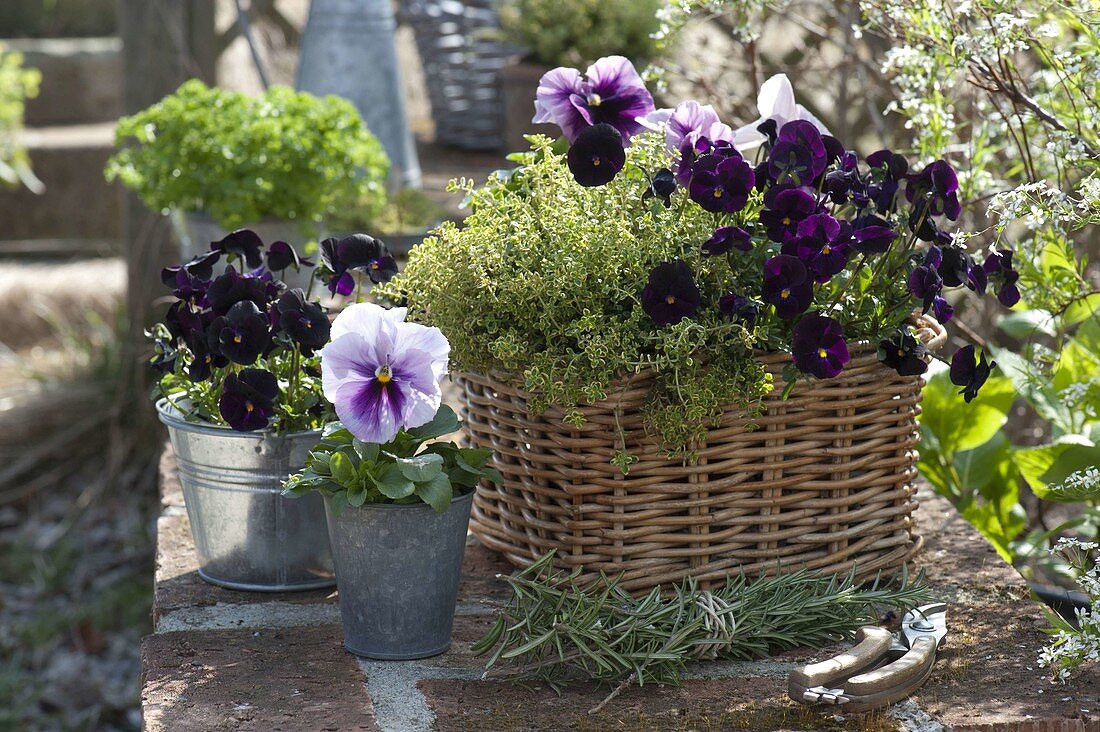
x=397 y=567
x=247 y=534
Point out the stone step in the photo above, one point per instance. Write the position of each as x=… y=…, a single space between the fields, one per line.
x=77 y=203
x=81 y=79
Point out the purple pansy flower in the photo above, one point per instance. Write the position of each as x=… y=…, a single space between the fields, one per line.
x=799 y=155
x=381 y=373
x=739 y=307
x=970 y=373
x=784 y=208
x=688 y=122
x=998 y=267
x=726 y=238
x=818 y=347
x=671 y=293
x=872 y=235
x=612 y=92
x=240 y=335
x=787 y=285
x=243 y=243
x=199 y=268
x=662 y=185
x=303 y=320
x=597 y=155
x=721 y=182
x=231 y=287
x=938 y=185
x=247 y=402
x=904 y=353
x=942 y=309
x=360 y=252
x=822 y=243
x=281 y=255
x=955 y=265
x=925 y=285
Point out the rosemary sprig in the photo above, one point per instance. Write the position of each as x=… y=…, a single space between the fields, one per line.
x=555 y=630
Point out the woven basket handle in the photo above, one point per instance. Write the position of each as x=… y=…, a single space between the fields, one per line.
x=929 y=331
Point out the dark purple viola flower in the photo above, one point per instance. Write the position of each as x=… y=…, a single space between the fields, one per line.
x=838 y=184
x=671 y=294
x=661 y=186
x=998 y=268
x=807 y=136
x=978 y=280
x=200 y=268
x=925 y=285
x=818 y=347
x=612 y=92
x=240 y=335
x=726 y=238
x=970 y=373
x=787 y=286
x=789 y=163
x=938 y=186
x=721 y=184
x=955 y=265
x=904 y=353
x=834 y=149
x=596 y=155
x=248 y=399
x=203 y=362
x=243 y=243
x=942 y=310
x=933 y=257
x=230 y=288
x=281 y=255
x=769 y=128
x=784 y=208
x=822 y=258
x=873 y=235
x=190 y=288
x=739 y=308
x=304 y=321
x=894 y=165
x=358 y=252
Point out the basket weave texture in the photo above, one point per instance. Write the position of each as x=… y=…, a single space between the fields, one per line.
x=826 y=481
x=460 y=48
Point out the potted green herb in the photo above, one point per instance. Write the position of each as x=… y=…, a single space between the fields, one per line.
x=398 y=502
x=241 y=394
x=571 y=33
x=278 y=163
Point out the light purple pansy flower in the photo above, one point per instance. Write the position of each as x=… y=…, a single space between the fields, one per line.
x=611 y=92
x=689 y=121
x=381 y=373
x=775 y=101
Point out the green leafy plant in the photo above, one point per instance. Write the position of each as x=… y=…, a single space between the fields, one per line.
x=409 y=469
x=17 y=85
x=284 y=154
x=577 y=32
x=555 y=630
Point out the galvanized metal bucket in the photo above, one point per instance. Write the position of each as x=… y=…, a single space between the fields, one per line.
x=398 y=568
x=247 y=535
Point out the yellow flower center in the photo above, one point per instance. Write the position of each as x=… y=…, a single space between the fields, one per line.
x=786 y=220
x=594 y=100
x=825 y=249
x=236 y=339
x=374 y=265
x=595 y=162
x=670 y=300
x=309 y=324
x=384 y=375
x=248 y=407
x=784 y=293
x=821 y=353
x=717 y=192
x=901 y=353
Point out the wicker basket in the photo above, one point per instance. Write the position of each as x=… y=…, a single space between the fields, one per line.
x=825 y=482
x=460 y=48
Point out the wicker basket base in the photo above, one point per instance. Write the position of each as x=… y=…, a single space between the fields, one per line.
x=826 y=481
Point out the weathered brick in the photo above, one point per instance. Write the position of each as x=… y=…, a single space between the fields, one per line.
x=288 y=679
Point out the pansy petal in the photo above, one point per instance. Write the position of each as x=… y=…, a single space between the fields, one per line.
x=553 y=101
x=424 y=343
x=369 y=409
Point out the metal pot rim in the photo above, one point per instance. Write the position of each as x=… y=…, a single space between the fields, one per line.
x=169 y=415
x=407 y=506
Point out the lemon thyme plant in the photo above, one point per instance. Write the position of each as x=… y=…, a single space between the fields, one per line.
x=664 y=240
x=240 y=159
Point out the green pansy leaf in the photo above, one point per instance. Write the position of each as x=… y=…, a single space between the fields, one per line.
x=444 y=422
x=367 y=451
x=421 y=467
x=393 y=483
x=339 y=502
x=356 y=496
x=343 y=472
x=436 y=492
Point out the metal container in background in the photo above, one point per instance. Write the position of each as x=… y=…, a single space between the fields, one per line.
x=398 y=568
x=248 y=536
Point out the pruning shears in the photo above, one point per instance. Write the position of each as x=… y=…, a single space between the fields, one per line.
x=880 y=669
